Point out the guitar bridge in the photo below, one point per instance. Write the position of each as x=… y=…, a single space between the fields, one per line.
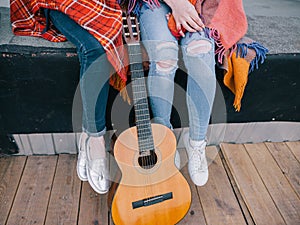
x=152 y=200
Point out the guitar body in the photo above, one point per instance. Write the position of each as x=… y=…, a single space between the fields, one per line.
x=138 y=184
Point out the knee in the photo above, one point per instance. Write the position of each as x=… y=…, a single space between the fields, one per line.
x=167 y=57
x=91 y=52
x=197 y=47
x=166 y=66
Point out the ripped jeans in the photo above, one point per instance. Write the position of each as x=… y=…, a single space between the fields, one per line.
x=198 y=56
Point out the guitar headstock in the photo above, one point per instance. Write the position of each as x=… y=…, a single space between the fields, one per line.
x=131 y=31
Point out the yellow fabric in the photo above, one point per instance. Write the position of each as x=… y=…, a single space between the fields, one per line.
x=236 y=77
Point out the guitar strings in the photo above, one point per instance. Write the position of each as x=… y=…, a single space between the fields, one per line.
x=142 y=115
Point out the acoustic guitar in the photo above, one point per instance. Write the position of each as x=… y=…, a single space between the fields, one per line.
x=151 y=190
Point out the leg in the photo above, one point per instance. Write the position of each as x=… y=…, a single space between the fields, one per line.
x=198 y=53
x=162 y=50
x=94 y=72
x=94 y=76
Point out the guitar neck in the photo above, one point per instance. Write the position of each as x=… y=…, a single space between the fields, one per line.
x=140 y=100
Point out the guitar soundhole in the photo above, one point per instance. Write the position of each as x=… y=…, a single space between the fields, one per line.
x=148 y=161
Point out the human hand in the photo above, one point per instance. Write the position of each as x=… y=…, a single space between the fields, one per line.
x=185 y=16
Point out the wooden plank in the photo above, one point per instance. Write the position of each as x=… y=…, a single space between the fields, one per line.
x=295 y=148
x=282 y=193
x=65 y=143
x=195 y=214
x=219 y=203
x=65 y=195
x=42 y=144
x=255 y=194
x=93 y=207
x=32 y=197
x=237 y=192
x=287 y=162
x=11 y=169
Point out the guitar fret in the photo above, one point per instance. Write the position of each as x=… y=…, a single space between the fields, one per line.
x=142 y=117
x=145 y=141
x=146 y=147
x=142 y=111
x=143 y=121
x=141 y=106
x=141 y=103
x=146 y=133
x=139 y=98
x=139 y=90
x=146 y=130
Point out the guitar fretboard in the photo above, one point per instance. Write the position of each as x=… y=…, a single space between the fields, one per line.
x=140 y=100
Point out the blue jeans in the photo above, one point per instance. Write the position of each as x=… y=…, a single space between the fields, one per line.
x=199 y=59
x=94 y=72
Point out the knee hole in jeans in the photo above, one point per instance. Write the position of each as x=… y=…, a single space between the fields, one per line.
x=166 y=65
x=199 y=47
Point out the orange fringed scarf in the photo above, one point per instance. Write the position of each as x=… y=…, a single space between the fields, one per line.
x=236 y=77
x=228 y=25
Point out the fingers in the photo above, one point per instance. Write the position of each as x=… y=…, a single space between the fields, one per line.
x=191 y=24
x=168 y=15
x=186 y=17
x=194 y=22
x=181 y=33
x=188 y=27
x=198 y=22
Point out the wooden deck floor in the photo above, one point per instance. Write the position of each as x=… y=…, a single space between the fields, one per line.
x=248 y=184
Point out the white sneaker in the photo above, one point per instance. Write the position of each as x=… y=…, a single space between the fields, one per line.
x=197 y=164
x=81 y=160
x=97 y=172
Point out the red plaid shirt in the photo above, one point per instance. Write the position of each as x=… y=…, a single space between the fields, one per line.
x=102 y=18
